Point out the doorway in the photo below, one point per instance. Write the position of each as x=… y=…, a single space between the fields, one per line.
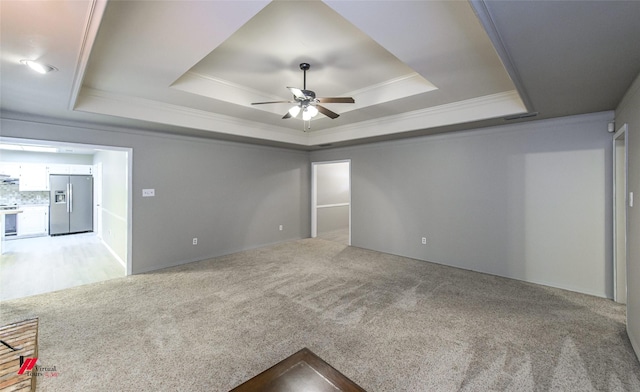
x=331 y=201
x=105 y=252
x=620 y=192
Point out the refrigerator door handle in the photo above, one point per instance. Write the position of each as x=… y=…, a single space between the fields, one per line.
x=67 y=197
x=70 y=197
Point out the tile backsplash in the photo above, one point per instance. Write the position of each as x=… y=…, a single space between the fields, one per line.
x=10 y=194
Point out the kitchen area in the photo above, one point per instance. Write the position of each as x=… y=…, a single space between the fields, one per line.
x=50 y=199
x=55 y=231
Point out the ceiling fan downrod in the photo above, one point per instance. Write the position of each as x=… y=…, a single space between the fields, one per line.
x=304 y=67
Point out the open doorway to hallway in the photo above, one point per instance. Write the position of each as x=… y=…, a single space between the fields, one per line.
x=103 y=252
x=331 y=201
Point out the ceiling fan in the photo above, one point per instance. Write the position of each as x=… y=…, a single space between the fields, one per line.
x=306 y=101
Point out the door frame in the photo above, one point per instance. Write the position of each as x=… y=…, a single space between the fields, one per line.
x=129 y=183
x=620 y=135
x=97 y=197
x=314 y=196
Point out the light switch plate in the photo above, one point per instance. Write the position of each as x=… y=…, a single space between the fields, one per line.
x=148 y=192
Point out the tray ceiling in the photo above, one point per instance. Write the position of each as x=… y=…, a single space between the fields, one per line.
x=413 y=67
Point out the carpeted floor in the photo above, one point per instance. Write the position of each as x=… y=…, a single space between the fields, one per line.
x=387 y=322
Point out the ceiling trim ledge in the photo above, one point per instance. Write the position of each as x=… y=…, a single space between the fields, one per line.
x=211 y=87
x=482 y=108
x=483 y=14
x=94 y=18
x=96 y=101
x=216 y=88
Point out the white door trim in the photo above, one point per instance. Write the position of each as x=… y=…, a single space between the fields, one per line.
x=621 y=134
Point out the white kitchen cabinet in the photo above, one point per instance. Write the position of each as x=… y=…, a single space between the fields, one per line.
x=34 y=177
x=10 y=169
x=80 y=169
x=58 y=168
x=33 y=221
x=61 y=168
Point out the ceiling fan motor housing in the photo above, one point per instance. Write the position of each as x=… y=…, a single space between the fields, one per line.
x=307 y=102
x=310 y=95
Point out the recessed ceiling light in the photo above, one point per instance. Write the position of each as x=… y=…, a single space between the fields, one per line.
x=39 y=67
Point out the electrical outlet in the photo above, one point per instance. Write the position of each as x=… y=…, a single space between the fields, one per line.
x=195 y=241
x=424 y=240
x=280 y=227
x=148 y=192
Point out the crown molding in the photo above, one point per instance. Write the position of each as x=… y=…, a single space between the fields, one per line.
x=223 y=90
x=560 y=123
x=102 y=102
x=389 y=90
x=486 y=19
x=93 y=19
x=489 y=106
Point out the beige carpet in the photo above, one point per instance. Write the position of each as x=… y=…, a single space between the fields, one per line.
x=387 y=322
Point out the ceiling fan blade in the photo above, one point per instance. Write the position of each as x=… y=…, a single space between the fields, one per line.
x=288 y=115
x=337 y=100
x=327 y=112
x=263 y=103
x=297 y=92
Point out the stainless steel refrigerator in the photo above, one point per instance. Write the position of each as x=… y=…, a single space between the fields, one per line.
x=70 y=204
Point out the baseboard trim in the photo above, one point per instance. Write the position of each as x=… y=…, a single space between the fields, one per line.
x=634 y=344
x=203 y=258
x=114 y=254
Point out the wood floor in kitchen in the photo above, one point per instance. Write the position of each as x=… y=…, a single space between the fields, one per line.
x=43 y=264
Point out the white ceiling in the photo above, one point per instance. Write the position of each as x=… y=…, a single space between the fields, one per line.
x=413 y=67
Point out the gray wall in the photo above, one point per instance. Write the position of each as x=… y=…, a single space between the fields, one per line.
x=629 y=112
x=231 y=196
x=529 y=201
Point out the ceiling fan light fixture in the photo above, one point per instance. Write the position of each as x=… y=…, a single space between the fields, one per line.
x=294 y=110
x=309 y=112
x=38 y=67
x=306 y=101
x=312 y=110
